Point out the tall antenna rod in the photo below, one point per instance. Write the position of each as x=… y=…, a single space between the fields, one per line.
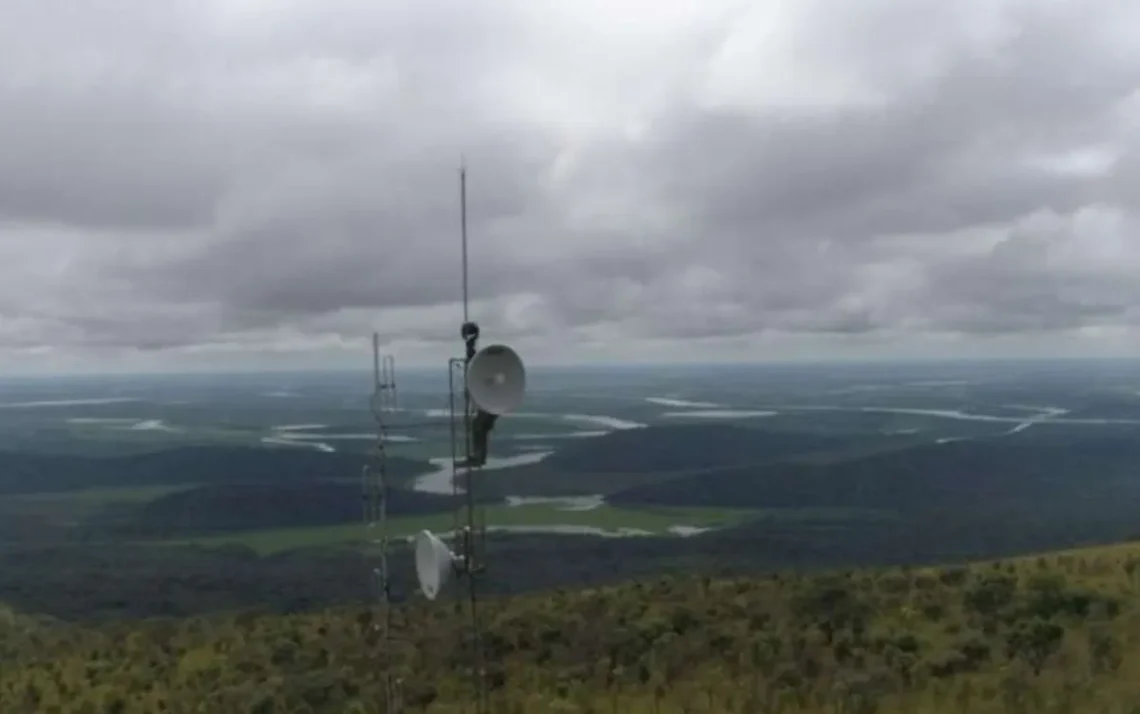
x=474 y=561
x=375 y=496
x=493 y=381
x=463 y=226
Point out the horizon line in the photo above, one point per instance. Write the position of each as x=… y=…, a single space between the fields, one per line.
x=593 y=366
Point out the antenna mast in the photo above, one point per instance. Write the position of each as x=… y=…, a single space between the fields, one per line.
x=465 y=463
x=492 y=381
x=374 y=488
x=463 y=228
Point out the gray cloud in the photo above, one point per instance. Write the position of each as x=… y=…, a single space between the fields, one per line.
x=184 y=175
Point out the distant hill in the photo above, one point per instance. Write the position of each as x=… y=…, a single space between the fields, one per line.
x=963 y=474
x=36 y=473
x=683 y=447
x=239 y=507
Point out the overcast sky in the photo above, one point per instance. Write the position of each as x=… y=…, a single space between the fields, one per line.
x=226 y=183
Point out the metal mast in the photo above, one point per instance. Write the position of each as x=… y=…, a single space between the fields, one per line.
x=375 y=497
x=498 y=377
x=466 y=464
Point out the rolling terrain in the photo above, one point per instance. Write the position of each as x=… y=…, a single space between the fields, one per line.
x=235 y=507
x=982 y=473
x=243 y=491
x=26 y=473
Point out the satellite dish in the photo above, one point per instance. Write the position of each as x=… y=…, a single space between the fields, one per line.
x=434 y=561
x=496 y=379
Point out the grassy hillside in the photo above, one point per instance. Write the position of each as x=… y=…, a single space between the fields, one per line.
x=1056 y=633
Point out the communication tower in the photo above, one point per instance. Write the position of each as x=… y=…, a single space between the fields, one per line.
x=374 y=491
x=484 y=384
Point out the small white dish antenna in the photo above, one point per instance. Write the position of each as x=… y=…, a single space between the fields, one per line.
x=496 y=379
x=434 y=563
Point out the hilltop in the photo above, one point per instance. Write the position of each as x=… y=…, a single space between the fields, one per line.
x=1057 y=633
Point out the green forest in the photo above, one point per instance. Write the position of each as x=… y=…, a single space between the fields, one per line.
x=186 y=531
x=1055 y=633
x=139 y=582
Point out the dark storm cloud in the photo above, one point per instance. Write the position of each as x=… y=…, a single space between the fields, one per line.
x=366 y=232
x=198 y=173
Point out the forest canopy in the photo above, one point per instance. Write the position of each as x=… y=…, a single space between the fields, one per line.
x=1052 y=633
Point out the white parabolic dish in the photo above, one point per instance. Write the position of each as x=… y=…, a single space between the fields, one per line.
x=496 y=379
x=434 y=561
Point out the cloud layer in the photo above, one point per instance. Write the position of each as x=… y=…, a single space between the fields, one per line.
x=223 y=182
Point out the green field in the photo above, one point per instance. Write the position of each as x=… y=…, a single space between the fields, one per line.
x=607 y=518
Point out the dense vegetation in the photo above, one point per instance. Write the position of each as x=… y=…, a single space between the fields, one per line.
x=95 y=582
x=78 y=581
x=252 y=506
x=88 y=582
x=630 y=458
x=683 y=447
x=1048 y=634
x=74 y=556
x=26 y=472
x=959 y=474
x=707 y=627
